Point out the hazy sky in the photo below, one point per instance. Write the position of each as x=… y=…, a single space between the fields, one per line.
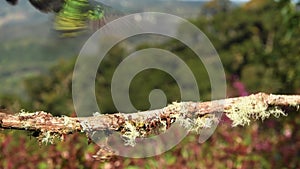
x=209 y=0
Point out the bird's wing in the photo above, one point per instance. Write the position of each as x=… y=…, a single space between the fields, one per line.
x=48 y=5
x=12 y=2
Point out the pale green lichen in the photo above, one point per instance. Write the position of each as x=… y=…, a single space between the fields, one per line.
x=47 y=137
x=276 y=112
x=204 y=122
x=179 y=111
x=192 y=124
x=290 y=102
x=85 y=125
x=295 y=104
x=96 y=114
x=244 y=109
x=24 y=113
x=69 y=124
x=26 y=125
x=67 y=121
x=196 y=124
x=163 y=126
x=180 y=108
x=130 y=134
x=184 y=122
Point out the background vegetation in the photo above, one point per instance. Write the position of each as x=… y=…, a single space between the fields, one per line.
x=258 y=43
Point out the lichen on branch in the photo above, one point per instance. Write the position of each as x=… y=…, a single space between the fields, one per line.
x=193 y=116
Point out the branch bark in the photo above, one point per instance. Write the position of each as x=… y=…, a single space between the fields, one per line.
x=240 y=110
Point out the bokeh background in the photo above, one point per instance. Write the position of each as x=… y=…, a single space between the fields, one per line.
x=258 y=42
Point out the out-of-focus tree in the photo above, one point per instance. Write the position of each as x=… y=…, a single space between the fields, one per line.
x=252 y=44
x=291 y=17
x=52 y=92
x=216 y=6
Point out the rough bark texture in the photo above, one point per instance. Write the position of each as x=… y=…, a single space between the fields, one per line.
x=46 y=122
x=193 y=116
x=254 y=106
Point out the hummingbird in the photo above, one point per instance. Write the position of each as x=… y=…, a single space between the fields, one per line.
x=71 y=16
x=43 y=5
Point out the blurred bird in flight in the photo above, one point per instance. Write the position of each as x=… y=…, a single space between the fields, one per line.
x=71 y=16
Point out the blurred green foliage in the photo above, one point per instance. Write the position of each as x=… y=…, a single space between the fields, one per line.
x=257 y=42
x=251 y=43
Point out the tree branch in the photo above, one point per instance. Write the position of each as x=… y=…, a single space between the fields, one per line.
x=192 y=115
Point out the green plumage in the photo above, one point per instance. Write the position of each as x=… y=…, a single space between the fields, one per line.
x=75 y=15
x=72 y=16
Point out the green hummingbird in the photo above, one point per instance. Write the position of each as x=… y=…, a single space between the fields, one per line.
x=71 y=16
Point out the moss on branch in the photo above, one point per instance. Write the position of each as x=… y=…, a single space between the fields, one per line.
x=193 y=116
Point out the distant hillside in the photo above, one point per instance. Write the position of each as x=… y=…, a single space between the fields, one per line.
x=185 y=9
x=29 y=45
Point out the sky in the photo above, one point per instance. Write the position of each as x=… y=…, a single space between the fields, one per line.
x=209 y=0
